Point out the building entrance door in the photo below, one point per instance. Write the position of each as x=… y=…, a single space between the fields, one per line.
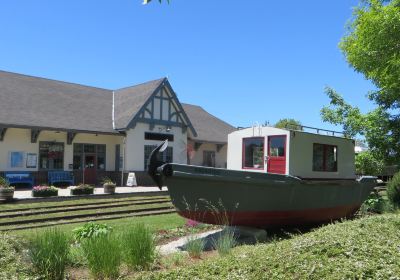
x=90 y=169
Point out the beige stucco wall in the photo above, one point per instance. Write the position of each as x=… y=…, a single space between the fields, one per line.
x=135 y=142
x=302 y=156
x=20 y=140
x=220 y=157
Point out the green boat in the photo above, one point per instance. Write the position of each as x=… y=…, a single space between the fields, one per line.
x=264 y=200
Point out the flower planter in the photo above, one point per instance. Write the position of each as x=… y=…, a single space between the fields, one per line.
x=44 y=191
x=82 y=190
x=109 y=188
x=6 y=194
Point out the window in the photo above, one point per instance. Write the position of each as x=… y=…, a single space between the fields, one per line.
x=51 y=155
x=16 y=159
x=253 y=153
x=166 y=156
x=324 y=158
x=96 y=154
x=209 y=158
x=158 y=136
x=277 y=146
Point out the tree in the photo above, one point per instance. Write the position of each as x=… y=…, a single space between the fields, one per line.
x=372 y=47
x=367 y=164
x=288 y=123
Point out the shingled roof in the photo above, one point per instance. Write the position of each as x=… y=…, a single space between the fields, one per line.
x=28 y=101
x=208 y=127
x=34 y=102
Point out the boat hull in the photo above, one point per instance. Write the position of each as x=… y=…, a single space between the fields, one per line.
x=220 y=196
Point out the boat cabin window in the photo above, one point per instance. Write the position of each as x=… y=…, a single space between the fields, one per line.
x=253 y=153
x=324 y=157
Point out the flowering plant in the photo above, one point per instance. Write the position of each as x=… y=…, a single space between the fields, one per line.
x=191 y=223
x=44 y=191
x=5 y=186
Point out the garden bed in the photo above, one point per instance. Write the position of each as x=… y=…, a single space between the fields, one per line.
x=44 y=191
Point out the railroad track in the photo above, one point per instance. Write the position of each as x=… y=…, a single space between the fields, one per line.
x=52 y=214
x=13 y=213
x=137 y=213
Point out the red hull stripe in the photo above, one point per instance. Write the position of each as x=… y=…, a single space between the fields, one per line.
x=273 y=218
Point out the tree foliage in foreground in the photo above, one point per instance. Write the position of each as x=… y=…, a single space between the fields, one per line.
x=372 y=48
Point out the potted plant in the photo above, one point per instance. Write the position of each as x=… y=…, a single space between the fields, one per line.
x=108 y=185
x=6 y=191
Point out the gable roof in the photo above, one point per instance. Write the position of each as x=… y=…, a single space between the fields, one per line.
x=28 y=101
x=208 y=127
x=128 y=101
x=34 y=102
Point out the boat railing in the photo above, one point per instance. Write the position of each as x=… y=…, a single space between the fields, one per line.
x=304 y=128
x=314 y=129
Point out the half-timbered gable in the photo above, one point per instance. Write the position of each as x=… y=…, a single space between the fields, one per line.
x=48 y=125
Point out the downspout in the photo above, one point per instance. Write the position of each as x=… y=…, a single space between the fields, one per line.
x=113 y=110
x=123 y=162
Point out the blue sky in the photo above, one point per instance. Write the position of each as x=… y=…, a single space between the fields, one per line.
x=243 y=61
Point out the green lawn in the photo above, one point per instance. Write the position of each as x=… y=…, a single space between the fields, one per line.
x=158 y=222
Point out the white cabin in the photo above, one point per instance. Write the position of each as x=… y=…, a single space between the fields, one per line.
x=292 y=152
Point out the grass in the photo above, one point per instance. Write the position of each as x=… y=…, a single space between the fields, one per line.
x=154 y=223
x=139 y=247
x=225 y=242
x=103 y=255
x=73 y=202
x=49 y=254
x=195 y=246
x=367 y=248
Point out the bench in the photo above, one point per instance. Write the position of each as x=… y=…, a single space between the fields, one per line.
x=14 y=178
x=60 y=177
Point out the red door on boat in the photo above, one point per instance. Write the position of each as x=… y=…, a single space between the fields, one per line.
x=276 y=154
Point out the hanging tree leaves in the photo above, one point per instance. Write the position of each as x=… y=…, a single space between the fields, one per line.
x=372 y=48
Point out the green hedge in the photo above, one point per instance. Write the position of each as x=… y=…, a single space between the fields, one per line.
x=80 y=190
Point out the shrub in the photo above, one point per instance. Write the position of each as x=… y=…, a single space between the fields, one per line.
x=225 y=242
x=44 y=191
x=195 y=246
x=82 y=189
x=393 y=190
x=375 y=204
x=49 y=253
x=90 y=230
x=103 y=255
x=139 y=247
